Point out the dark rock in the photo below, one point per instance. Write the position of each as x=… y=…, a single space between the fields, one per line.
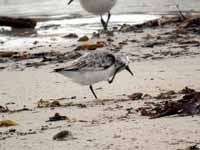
x=4 y=109
x=71 y=35
x=8 y=53
x=58 y=117
x=17 y=22
x=63 y=135
x=135 y=96
x=166 y=95
x=188 y=105
x=12 y=130
x=186 y=90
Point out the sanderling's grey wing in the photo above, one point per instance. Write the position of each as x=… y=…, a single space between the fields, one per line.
x=97 y=61
x=92 y=62
x=74 y=66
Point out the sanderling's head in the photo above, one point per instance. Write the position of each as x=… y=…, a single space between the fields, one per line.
x=122 y=62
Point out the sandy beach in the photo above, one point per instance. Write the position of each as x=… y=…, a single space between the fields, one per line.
x=162 y=60
x=104 y=126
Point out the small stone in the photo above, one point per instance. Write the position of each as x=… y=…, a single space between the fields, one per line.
x=186 y=90
x=71 y=35
x=135 y=96
x=58 y=117
x=6 y=123
x=63 y=136
x=35 y=42
x=83 y=38
x=12 y=130
x=166 y=95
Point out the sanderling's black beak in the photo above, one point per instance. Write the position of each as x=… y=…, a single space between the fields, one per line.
x=129 y=70
x=70 y=2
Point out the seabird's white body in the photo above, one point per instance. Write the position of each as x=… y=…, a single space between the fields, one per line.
x=90 y=77
x=96 y=66
x=98 y=7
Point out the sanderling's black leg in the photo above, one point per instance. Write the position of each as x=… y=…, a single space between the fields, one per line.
x=116 y=71
x=91 y=88
x=104 y=24
x=108 y=19
x=70 y=2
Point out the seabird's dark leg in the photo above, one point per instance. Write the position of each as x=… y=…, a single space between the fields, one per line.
x=104 y=24
x=70 y=2
x=91 y=88
x=110 y=81
x=116 y=71
x=108 y=19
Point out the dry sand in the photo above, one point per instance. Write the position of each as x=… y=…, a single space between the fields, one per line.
x=106 y=128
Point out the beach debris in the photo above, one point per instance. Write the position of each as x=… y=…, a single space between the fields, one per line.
x=13 y=133
x=98 y=44
x=193 y=42
x=29 y=132
x=3 y=109
x=127 y=28
x=152 y=44
x=190 y=21
x=2 y=67
x=38 y=59
x=35 y=42
x=7 y=110
x=166 y=95
x=193 y=147
x=71 y=35
x=48 y=103
x=17 y=22
x=58 y=117
x=135 y=96
x=64 y=135
x=50 y=26
x=182 y=24
x=8 y=53
x=83 y=38
x=95 y=35
x=6 y=123
x=57 y=103
x=34 y=64
x=186 y=90
x=122 y=43
x=129 y=110
x=20 y=110
x=188 y=105
x=189 y=24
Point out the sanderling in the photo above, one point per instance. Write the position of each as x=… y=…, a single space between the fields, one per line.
x=94 y=67
x=98 y=7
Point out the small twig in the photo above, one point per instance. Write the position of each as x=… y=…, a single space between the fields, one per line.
x=180 y=12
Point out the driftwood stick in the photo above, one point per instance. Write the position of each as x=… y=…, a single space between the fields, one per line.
x=15 y=22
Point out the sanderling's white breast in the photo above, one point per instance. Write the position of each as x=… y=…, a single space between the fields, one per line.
x=95 y=67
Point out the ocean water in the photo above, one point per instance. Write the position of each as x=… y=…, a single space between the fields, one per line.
x=56 y=17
